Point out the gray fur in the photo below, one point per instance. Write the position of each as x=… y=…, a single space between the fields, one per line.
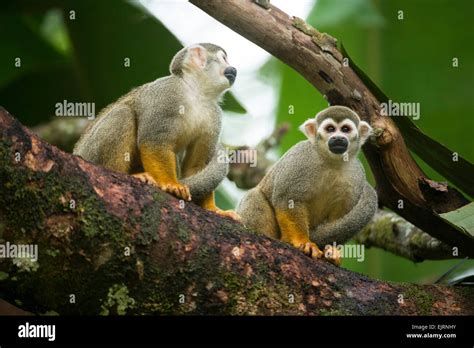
x=206 y=181
x=178 y=60
x=340 y=231
x=180 y=111
x=330 y=196
x=337 y=113
x=257 y=214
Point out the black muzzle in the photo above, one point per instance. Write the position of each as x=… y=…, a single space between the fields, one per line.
x=230 y=73
x=338 y=145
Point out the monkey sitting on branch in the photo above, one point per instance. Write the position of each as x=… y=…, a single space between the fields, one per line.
x=166 y=132
x=317 y=193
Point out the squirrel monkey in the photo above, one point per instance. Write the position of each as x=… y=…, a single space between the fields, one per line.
x=166 y=132
x=317 y=193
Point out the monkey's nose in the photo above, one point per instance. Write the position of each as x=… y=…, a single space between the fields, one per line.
x=338 y=145
x=230 y=73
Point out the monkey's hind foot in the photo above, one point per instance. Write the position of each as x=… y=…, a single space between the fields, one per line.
x=176 y=189
x=228 y=213
x=146 y=178
x=333 y=255
x=311 y=249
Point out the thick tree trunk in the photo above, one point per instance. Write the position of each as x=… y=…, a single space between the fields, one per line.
x=316 y=57
x=110 y=244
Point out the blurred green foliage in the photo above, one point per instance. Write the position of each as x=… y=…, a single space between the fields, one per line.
x=79 y=51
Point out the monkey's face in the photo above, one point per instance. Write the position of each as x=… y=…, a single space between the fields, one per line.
x=337 y=137
x=206 y=66
x=219 y=72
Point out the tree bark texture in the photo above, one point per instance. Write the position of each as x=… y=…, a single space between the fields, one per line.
x=181 y=260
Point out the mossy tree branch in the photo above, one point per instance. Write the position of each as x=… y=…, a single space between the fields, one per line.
x=121 y=246
x=390 y=232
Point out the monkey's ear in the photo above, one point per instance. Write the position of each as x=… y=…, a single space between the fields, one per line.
x=365 y=130
x=196 y=56
x=309 y=128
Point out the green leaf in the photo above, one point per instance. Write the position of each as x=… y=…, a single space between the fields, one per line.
x=20 y=40
x=465 y=277
x=53 y=31
x=438 y=156
x=232 y=104
x=462 y=218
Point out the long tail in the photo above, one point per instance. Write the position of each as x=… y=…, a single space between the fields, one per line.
x=204 y=182
x=340 y=231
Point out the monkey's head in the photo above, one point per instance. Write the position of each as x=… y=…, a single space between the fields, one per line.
x=337 y=131
x=206 y=64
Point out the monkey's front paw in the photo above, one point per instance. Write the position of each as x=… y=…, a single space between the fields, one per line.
x=333 y=255
x=228 y=213
x=312 y=250
x=176 y=189
x=146 y=178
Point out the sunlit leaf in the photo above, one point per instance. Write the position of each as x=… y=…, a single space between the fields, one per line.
x=232 y=104
x=462 y=218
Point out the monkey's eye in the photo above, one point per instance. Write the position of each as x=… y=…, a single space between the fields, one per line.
x=346 y=129
x=330 y=129
x=223 y=57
